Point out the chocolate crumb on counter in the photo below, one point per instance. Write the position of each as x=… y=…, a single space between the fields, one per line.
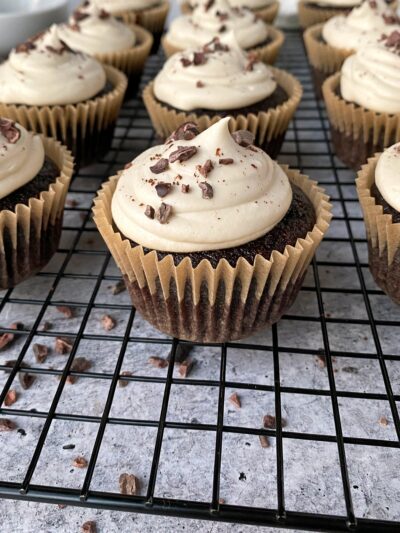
x=226 y=161
x=124 y=382
x=89 y=527
x=79 y=462
x=128 y=484
x=22 y=432
x=235 y=400
x=118 y=288
x=7 y=338
x=108 y=322
x=26 y=380
x=63 y=345
x=185 y=188
x=46 y=326
x=186 y=132
x=68 y=446
x=243 y=138
x=163 y=213
x=206 y=168
x=269 y=422
x=183 y=153
x=264 y=441
x=383 y=421
x=163 y=189
x=160 y=166
x=149 y=212
x=41 y=351
x=7 y=425
x=11 y=398
x=207 y=190
x=158 y=362
x=321 y=361
x=185 y=368
x=65 y=310
x=79 y=364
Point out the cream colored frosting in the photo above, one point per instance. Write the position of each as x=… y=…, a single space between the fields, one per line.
x=20 y=160
x=93 y=31
x=363 y=25
x=48 y=73
x=251 y=4
x=371 y=78
x=250 y=196
x=387 y=176
x=204 y=24
x=117 y=6
x=226 y=80
x=338 y=3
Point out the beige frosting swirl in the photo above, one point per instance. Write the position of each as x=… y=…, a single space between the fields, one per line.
x=216 y=76
x=338 y=3
x=93 y=31
x=205 y=23
x=371 y=77
x=387 y=176
x=117 y=6
x=243 y=195
x=21 y=156
x=363 y=25
x=45 y=71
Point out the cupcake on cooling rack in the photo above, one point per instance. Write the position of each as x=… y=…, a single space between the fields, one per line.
x=95 y=32
x=330 y=43
x=35 y=173
x=215 y=19
x=219 y=79
x=311 y=13
x=266 y=10
x=150 y=14
x=213 y=238
x=379 y=194
x=53 y=90
x=363 y=101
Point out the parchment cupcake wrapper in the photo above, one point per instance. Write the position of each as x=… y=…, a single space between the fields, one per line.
x=310 y=15
x=269 y=127
x=153 y=18
x=30 y=234
x=85 y=128
x=267 y=53
x=268 y=13
x=357 y=133
x=383 y=235
x=207 y=304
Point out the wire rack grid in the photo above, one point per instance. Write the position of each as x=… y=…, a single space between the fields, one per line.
x=307 y=479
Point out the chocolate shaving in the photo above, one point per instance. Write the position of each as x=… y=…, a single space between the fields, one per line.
x=157 y=362
x=243 y=138
x=185 y=62
x=124 y=382
x=46 y=326
x=26 y=47
x=269 y=422
x=41 y=352
x=185 y=188
x=183 y=153
x=68 y=446
x=207 y=190
x=199 y=58
x=226 y=161
x=185 y=368
x=208 y=5
x=383 y=421
x=7 y=425
x=215 y=46
x=79 y=462
x=79 y=364
x=235 y=400
x=108 y=322
x=252 y=60
x=222 y=29
x=128 y=484
x=89 y=527
x=11 y=398
x=393 y=40
x=206 y=168
x=163 y=189
x=26 y=380
x=160 y=166
x=9 y=130
x=264 y=441
x=200 y=84
x=186 y=132
x=163 y=213
x=63 y=345
x=149 y=211
x=65 y=310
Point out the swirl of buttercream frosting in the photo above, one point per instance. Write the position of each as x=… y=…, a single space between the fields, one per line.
x=94 y=31
x=363 y=25
x=45 y=71
x=21 y=156
x=117 y=6
x=206 y=193
x=387 y=176
x=219 y=75
x=209 y=21
x=371 y=76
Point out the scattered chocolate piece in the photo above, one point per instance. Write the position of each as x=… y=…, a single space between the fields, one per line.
x=68 y=446
x=163 y=213
x=252 y=59
x=206 y=168
x=79 y=15
x=22 y=432
x=383 y=421
x=163 y=189
x=199 y=58
x=186 y=132
x=321 y=361
x=108 y=322
x=11 y=398
x=9 y=364
x=242 y=476
x=9 y=130
x=89 y=527
x=26 y=380
x=226 y=161
x=208 y=5
x=264 y=441
x=207 y=190
x=79 y=462
x=215 y=46
x=393 y=40
x=185 y=368
x=350 y=369
x=118 y=288
x=46 y=326
x=26 y=47
x=7 y=425
x=269 y=422
x=79 y=364
x=181 y=354
x=222 y=29
x=185 y=188
x=157 y=362
x=235 y=400
x=149 y=212
x=6 y=339
x=183 y=153
x=63 y=345
x=185 y=62
x=104 y=14
x=65 y=310
x=128 y=484
x=160 y=166
x=200 y=84
x=41 y=352
x=124 y=382
x=243 y=137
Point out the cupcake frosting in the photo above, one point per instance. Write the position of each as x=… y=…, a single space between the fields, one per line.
x=116 y=6
x=21 y=156
x=363 y=25
x=219 y=75
x=371 y=77
x=201 y=192
x=94 y=31
x=45 y=71
x=387 y=176
x=213 y=18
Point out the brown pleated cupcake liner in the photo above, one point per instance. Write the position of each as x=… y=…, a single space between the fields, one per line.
x=153 y=18
x=86 y=128
x=269 y=127
x=310 y=15
x=131 y=61
x=383 y=235
x=29 y=235
x=357 y=133
x=268 y=13
x=267 y=53
x=324 y=58
x=206 y=304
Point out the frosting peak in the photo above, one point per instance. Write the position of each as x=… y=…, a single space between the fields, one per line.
x=387 y=176
x=207 y=192
x=45 y=71
x=21 y=156
x=116 y=6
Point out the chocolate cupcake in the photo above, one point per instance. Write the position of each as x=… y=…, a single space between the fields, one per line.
x=378 y=190
x=330 y=43
x=150 y=14
x=50 y=89
x=215 y=19
x=95 y=32
x=212 y=237
x=35 y=173
x=266 y=10
x=363 y=101
x=217 y=80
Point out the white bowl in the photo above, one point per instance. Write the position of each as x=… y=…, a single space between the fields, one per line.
x=20 y=19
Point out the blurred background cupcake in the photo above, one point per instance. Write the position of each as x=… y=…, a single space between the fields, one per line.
x=311 y=13
x=266 y=10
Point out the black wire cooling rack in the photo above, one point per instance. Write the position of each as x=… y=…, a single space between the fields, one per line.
x=348 y=319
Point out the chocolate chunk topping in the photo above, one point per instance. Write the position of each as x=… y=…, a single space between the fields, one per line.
x=24 y=48
x=185 y=132
x=206 y=168
x=200 y=84
x=149 y=211
x=160 y=166
x=26 y=380
x=199 y=58
x=226 y=161
x=163 y=189
x=243 y=137
x=252 y=59
x=393 y=40
x=207 y=190
x=208 y=5
x=215 y=46
x=104 y=14
x=185 y=188
x=185 y=62
x=390 y=19
x=222 y=29
x=163 y=213
x=79 y=15
x=9 y=130
x=183 y=153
